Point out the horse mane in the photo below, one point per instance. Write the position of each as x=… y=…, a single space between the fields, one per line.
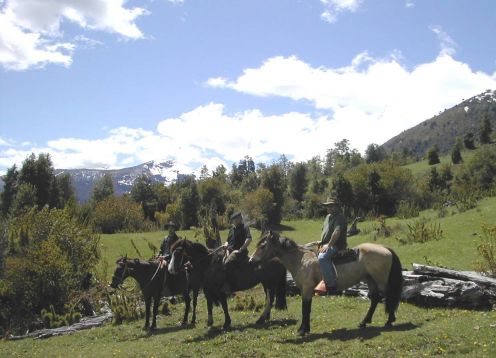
x=284 y=242
x=190 y=246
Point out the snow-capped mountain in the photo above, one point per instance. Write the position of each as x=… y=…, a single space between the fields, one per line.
x=83 y=180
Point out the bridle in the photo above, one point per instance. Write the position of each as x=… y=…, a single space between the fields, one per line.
x=124 y=272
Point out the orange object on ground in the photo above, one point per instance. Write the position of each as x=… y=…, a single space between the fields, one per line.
x=320 y=289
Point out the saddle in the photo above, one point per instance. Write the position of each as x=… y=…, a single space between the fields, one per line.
x=345 y=256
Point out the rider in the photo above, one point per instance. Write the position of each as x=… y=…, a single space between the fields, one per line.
x=333 y=239
x=165 y=254
x=238 y=239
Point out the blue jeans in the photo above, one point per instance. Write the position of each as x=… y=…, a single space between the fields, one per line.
x=327 y=267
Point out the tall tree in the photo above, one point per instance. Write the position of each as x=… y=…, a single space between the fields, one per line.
x=273 y=180
x=10 y=188
x=298 y=181
x=39 y=172
x=468 y=141
x=344 y=192
x=433 y=155
x=102 y=189
x=142 y=193
x=189 y=203
x=485 y=130
x=374 y=153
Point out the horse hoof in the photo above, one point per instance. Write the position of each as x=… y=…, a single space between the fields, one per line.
x=362 y=325
x=183 y=324
x=301 y=333
x=388 y=325
x=260 y=321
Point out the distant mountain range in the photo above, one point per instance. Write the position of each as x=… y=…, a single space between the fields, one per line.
x=123 y=179
x=444 y=128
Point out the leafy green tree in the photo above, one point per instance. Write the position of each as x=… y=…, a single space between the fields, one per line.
x=39 y=172
x=213 y=193
x=189 y=203
x=469 y=141
x=374 y=153
x=344 y=192
x=485 y=130
x=298 y=181
x=456 y=155
x=10 y=188
x=273 y=179
x=433 y=155
x=117 y=214
x=25 y=199
x=102 y=189
x=258 y=206
x=142 y=192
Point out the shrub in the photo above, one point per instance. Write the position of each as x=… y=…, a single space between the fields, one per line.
x=49 y=257
x=125 y=306
x=420 y=232
x=258 y=206
x=115 y=214
x=407 y=209
x=486 y=248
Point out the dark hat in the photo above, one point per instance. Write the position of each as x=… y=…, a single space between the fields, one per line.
x=235 y=215
x=171 y=224
x=330 y=201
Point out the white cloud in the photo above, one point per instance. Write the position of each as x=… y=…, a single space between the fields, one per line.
x=332 y=8
x=448 y=45
x=380 y=97
x=31 y=33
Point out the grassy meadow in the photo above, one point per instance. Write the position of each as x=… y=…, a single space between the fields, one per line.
x=418 y=331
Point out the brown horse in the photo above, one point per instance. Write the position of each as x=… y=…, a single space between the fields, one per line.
x=377 y=265
x=151 y=281
x=209 y=265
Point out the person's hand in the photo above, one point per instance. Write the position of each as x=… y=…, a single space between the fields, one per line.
x=160 y=258
x=324 y=248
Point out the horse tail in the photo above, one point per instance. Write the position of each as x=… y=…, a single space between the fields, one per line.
x=280 y=303
x=394 y=285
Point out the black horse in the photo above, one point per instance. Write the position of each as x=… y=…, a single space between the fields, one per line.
x=151 y=281
x=209 y=266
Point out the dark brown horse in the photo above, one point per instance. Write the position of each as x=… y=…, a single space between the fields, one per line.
x=151 y=281
x=209 y=265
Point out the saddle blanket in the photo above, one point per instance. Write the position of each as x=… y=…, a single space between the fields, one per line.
x=345 y=256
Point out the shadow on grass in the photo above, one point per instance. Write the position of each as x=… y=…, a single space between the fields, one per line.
x=281 y=227
x=344 y=334
x=217 y=331
x=165 y=330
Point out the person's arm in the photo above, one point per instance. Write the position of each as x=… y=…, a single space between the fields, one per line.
x=247 y=240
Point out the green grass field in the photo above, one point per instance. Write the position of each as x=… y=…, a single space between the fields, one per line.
x=418 y=332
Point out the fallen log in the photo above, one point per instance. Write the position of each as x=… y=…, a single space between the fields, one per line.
x=85 y=323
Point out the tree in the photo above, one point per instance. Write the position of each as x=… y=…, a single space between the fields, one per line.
x=433 y=155
x=10 y=188
x=298 y=181
x=374 y=153
x=143 y=194
x=102 y=189
x=468 y=141
x=456 y=155
x=39 y=172
x=273 y=180
x=344 y=192
x=485 y=130
x=189 y=203
x=258 y=206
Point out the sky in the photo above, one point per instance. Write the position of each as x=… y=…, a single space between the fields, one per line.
x=115 y=83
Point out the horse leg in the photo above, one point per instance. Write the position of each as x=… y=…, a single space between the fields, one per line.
x=187 y=307
x=210 y=320
x=269 y=299
x=148 y=300
x=227 y=318
x=156 y=302
x=195 y=300
x=374 y=300
x=306 y=309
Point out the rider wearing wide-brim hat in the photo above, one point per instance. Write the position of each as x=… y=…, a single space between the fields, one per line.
x=333 y=239
x=168 y=241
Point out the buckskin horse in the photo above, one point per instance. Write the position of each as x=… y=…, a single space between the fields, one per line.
x=151 y=280
x=377 y=265
x=208 y=264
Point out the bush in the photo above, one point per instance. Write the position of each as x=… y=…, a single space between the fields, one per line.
x=48 y=259
x=407 y=209
x=115 y=214
x=258 y=206
x=420 y=232
x=486 y=248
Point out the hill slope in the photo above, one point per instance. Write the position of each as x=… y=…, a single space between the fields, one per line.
x=444 y=128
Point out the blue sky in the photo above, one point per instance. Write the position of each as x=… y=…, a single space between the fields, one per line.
x=113 y=83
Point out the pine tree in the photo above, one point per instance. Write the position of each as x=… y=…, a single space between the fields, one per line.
x=432 y=155
x=485 y=130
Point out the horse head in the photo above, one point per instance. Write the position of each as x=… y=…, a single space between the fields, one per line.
x=179 y=256
x=266 y=248
x=121 y=271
